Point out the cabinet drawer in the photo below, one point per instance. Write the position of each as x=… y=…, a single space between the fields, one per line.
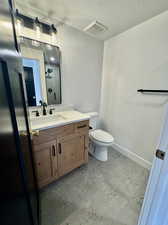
x=44 y=136
x=65 y=130
x=82 y=126
x=52 y=133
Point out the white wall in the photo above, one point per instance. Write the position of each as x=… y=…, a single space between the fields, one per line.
x=82 y=58
x=137 y=58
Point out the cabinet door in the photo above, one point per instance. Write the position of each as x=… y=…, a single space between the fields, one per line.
x=71 y=153
x=45 y=162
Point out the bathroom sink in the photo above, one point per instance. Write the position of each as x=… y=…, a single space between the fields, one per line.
x=52 y=118
x=57 y=119
x=45 y=121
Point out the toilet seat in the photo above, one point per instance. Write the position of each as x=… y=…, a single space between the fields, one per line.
x=101 y=136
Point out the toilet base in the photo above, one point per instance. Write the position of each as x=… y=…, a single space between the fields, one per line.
x=99 y=152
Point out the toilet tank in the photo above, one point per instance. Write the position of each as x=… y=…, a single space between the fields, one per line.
x=93 y=119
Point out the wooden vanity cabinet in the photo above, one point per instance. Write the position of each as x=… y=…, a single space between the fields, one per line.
x=59 y=150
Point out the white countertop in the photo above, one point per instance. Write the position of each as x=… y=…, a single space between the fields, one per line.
x=57 y=119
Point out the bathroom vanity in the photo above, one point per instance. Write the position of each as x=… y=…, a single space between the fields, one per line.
x=60 y=144
x=59 y=139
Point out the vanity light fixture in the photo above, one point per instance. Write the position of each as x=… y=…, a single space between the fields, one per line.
x=53 y=34
x=26 y=21
x=37 y=28
x=37 y=25
x=54 y=29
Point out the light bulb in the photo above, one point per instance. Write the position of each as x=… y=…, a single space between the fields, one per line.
x=49 y=46
x=52 y=59
x=38 y=32
x=53 y=38
x=19 y=26
x=35 y=43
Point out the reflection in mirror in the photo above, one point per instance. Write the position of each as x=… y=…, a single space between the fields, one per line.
x=52 y=68
x=32 y=81
x=41 y=63
x=52 y=84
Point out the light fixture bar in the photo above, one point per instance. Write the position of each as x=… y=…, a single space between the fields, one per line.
x=30 y=21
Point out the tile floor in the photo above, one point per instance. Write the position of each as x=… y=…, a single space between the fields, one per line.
x=109 y=193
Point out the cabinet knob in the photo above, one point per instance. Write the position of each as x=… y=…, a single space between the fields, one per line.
x=32 y=132
x=35 y=132
x=23 y=133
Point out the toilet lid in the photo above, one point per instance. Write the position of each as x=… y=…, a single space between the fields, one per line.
x=102 y=136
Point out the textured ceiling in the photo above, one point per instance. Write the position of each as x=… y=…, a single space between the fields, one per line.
x=117 y=15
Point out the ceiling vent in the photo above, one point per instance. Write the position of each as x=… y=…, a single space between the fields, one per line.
x=95 y=28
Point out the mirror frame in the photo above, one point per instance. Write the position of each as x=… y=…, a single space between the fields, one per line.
x=39 y=45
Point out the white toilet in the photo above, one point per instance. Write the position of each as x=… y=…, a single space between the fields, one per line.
x=99 y=140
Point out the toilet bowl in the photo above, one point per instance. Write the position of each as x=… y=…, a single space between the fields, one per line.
x=99 y=142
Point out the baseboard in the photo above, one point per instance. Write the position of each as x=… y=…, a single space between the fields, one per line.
x=146 y=164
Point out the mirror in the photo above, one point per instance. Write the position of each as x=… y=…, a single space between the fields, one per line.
x=42 y=73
